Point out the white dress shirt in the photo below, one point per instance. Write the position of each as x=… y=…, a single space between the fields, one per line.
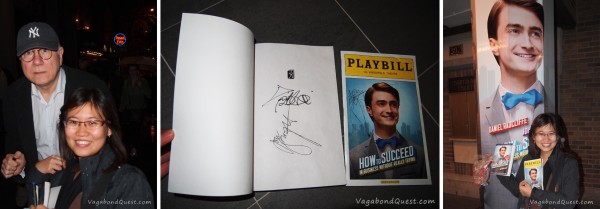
x=45 y=117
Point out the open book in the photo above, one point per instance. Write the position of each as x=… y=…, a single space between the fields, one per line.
x=503 y=159
x=252 y=117
x=45 y=195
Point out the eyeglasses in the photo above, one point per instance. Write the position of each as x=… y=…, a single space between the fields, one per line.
x=550 y=135
x=30 y=54
x=92 y=124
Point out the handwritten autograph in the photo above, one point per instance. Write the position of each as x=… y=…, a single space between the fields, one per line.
x=289 y=97
x=356 y=96
x=279 y=141
x=356 y=101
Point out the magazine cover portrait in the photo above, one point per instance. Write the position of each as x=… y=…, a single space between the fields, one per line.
x=384 y=130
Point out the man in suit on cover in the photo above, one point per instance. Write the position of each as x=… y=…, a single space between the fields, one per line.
x=382 y=102
x=516 y=37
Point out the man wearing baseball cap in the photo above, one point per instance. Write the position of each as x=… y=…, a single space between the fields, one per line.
x=32 y=104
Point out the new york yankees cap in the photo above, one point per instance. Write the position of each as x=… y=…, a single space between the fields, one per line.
x=36 y=35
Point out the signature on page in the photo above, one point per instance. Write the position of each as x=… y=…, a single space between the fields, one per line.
x=356 y=97
x=356 y=103
x=290 y=98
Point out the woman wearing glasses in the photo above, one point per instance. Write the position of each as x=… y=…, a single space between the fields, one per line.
x=548 y=136
x=90 y=141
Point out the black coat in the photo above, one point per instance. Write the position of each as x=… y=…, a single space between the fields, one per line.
x=126 y=187
x=562 y=194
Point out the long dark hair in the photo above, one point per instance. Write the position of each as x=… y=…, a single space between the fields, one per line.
x=561 y=133
x=103 y=105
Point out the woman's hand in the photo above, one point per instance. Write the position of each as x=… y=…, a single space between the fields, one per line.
x=51 y=165
x=525 y=189
x=37 y=207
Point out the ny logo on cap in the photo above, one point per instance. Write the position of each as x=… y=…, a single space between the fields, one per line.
x=33 y=32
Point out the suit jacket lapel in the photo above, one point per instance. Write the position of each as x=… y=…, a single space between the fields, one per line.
x=68 y=87
x=495 y=115
x=539 y=109
x=25 y=120
x=371 y=148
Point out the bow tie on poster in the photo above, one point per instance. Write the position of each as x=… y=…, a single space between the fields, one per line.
x=382 y=142
x=531 y=97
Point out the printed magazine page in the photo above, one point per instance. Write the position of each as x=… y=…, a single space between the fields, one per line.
x=534 y=173
x=383 y=124
x=503 y=159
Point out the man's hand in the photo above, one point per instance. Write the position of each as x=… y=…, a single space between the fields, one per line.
x=166 y=136
x=13 y=164
x=51 y=165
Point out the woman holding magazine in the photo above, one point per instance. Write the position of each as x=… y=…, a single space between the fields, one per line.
x=560 y=182
x=96 y=175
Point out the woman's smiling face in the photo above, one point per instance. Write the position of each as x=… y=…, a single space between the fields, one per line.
x=85 y=130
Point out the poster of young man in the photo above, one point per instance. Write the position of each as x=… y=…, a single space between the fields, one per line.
x=509 y=36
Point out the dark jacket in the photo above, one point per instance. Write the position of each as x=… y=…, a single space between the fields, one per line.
x=562 y=194
x=126 y=187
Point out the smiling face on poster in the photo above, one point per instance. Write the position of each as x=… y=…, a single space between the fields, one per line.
x=485 y=35
x=518 y=46
x=509 y=37
x=510 y=52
